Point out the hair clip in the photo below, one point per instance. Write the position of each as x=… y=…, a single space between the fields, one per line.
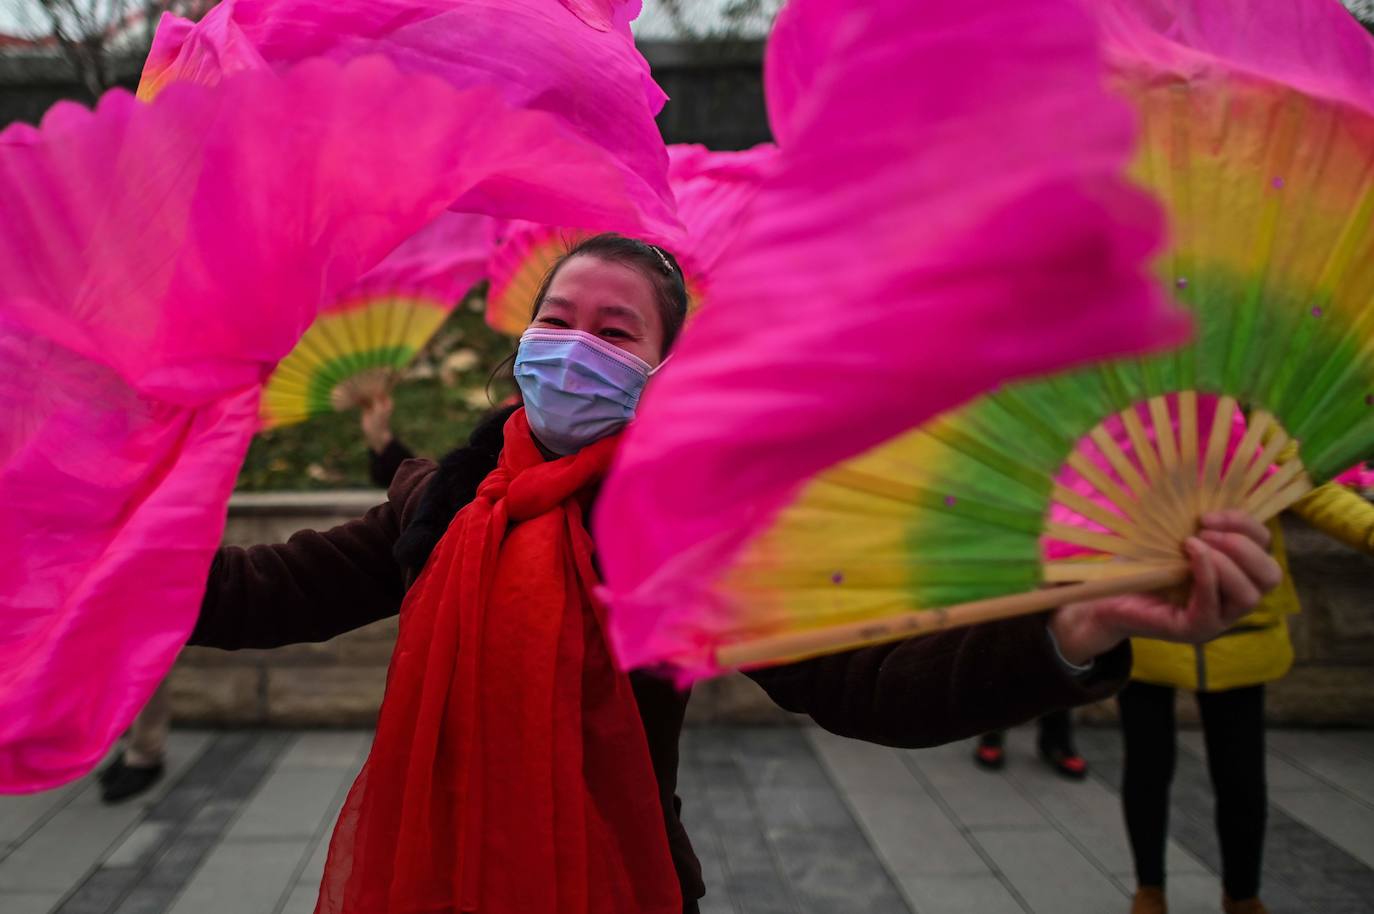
x=663 y=259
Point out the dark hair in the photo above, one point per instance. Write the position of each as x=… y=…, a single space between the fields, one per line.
x=659 y=266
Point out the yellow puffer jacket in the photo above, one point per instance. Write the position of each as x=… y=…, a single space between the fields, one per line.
x=1257 y=649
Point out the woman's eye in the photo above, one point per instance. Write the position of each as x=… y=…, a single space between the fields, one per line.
x=553 y=321
x=615 y=332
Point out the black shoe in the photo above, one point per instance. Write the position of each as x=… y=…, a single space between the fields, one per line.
x=104 y=774
x=121 y=781
x=990 y=754
x=1065 y=761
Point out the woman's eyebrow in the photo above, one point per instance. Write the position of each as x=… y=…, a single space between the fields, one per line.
x=556 y=301
x=624 y=312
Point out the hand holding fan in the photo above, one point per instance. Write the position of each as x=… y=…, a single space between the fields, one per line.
x=1260 y=146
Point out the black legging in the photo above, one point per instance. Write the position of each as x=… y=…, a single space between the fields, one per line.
x=1233 y=726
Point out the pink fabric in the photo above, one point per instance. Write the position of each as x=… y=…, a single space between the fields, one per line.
x=924 y=237
x=156 y=260
x=536 y=54
x=713 y=191
x=1361 y=477
x=1314 y=46
x=604 y=15
x=790 y=66
x=442 y=261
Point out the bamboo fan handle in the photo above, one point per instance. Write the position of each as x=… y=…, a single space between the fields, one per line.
x=908 y=624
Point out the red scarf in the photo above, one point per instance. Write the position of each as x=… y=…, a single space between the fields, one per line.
x=510 y=772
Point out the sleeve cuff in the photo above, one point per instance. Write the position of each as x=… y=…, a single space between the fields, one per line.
x=1074 y=669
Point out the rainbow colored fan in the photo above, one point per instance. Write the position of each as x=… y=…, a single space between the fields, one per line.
x=360 y=345
x=524 y=255
x=1258 y=136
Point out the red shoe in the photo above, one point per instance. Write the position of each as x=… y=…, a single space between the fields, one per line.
x=993 y=758
x=1066 y=763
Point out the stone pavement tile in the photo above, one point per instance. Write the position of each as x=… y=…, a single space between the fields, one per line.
x=752 y=879
x=777 y=757
x=180 y=803
x=819 y=848
x=834 y=871
x=313 y=872
x=1049 y=873
x=20 y=814
x=290 y=803
x=700 y=823
x=1086 y=811
x=212 y=818
x=1189 y=893
x=243 y=779
x=1333 y=757
x=1347 y=824
x=976 y=798
x=71 y=842
x=301 y=900
x=248 y=877
x=147 y=899
x=139 y=845
x=1349 y=743
x=709 y=905
x=1280 y=773
x=29 y=902
x=100 y=893
x=799 y=808
x=328 y=749
x=861 y=766
x=179 y=861
x=985 y=894
x=906 y=826
x=751 y=874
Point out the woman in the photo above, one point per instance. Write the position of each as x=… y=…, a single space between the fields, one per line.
x=1228 y=676
x=514 y=768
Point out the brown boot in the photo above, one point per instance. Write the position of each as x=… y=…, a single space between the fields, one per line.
x=1248 y=906
x=1149 y=899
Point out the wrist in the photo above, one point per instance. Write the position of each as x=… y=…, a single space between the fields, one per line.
x=1081 y=634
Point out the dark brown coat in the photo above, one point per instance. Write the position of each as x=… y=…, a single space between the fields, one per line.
x=921 y=692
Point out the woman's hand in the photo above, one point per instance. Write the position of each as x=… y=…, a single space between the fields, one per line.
x=376 y=420
x=1232 y=570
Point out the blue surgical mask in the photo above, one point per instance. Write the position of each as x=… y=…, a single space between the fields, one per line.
x=577 y=387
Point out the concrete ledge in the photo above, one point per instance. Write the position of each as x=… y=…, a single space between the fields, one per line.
x=300 y=507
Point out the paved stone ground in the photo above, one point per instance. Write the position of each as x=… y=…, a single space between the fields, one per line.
x=786 y=820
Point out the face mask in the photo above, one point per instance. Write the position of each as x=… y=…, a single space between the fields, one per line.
x=577 y=387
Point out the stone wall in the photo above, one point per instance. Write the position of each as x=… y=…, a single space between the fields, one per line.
x=340 y=683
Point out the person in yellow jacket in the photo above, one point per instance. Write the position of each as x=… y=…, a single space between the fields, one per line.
x=1228 y=675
